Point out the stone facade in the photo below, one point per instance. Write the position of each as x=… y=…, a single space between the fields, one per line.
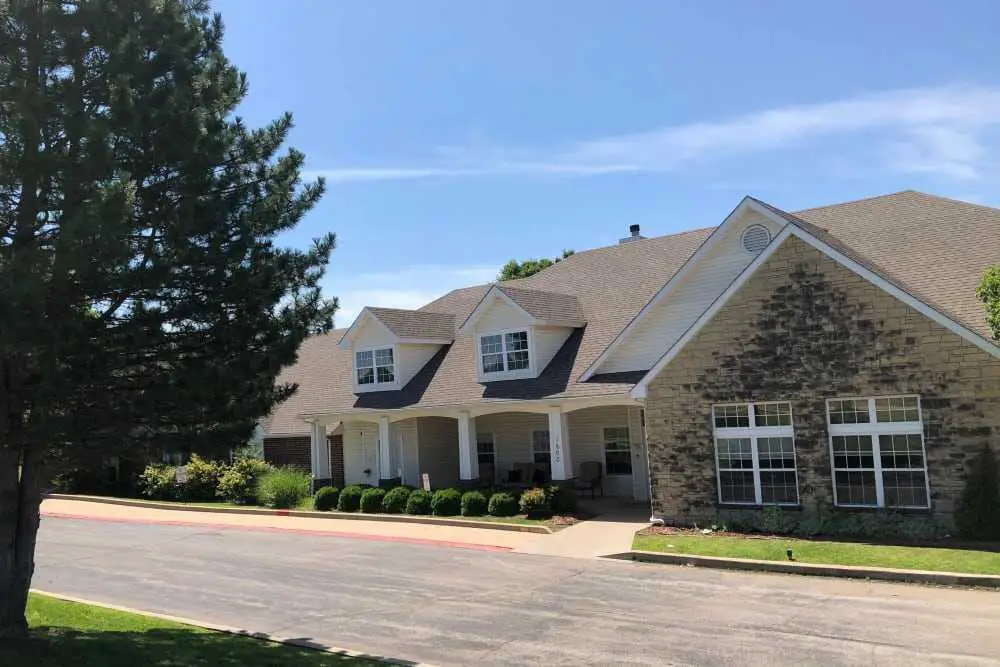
x=296 y=451
x=804 y=329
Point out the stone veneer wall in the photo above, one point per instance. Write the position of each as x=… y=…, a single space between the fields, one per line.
x=804 y=329
x=296 y=451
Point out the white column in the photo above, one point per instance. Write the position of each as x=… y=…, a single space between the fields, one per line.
x=468 y=458
x=384 y=449
x=562 y=463
x=320 y=451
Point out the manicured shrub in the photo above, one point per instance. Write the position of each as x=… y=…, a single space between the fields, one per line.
x=562 y=498
x=419 y=502
x=502 y=503
x=473 y=503
x=238 y=483
x=977 y=516
x=535 y=504
x=371 y=501
x=158 y=482
x=350 y=499
x=283 y=488
x=395 y=500
x=446 y=502
x=202 y=480
x=325 y=499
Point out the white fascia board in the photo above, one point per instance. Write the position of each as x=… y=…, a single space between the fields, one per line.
x=671 y=285
x=639 y=391
x=426 y=341
x=348 y=338
x=484 y=304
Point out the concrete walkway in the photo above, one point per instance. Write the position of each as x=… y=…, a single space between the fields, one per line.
x=610 y=532
x=453 y=536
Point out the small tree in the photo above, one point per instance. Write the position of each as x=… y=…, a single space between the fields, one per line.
x=529 y=267
x=978 y=513
x=989 y=293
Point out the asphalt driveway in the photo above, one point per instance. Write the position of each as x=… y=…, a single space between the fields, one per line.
x=457 y=607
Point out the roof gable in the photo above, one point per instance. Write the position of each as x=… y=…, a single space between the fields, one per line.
x=528 y=306
x=843 y=255
x=401 y=326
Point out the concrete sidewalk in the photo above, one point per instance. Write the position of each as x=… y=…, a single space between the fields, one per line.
x=453 y=536
x=610 y=532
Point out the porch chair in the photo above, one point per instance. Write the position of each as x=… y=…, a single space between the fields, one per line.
x=590 y=478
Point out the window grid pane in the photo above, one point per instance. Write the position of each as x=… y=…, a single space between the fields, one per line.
x=870 y=466
x=735 y=453
x=737 y=487
x=731 y=416
x=779 y=486
x=772 y=414
x=617 y=451
x=366 y=376
x=849 y=411
x=899 y=409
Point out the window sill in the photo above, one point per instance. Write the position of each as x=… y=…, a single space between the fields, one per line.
x=870 y=508
x=740 y=506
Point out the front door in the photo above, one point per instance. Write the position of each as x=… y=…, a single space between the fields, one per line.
x=361 y=454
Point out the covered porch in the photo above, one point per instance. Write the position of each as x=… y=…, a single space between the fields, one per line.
x=587 y=444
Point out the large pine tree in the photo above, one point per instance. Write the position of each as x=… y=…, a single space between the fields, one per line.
x=142 y=296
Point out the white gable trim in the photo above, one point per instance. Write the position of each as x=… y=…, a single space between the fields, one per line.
x=359 y=321
x=639 y=391
x=748 y=204
x=486 y=302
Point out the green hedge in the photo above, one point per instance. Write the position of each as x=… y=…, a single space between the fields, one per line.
x=502 y=503
x=446 y=502
x=473 y=503
x=238 y=482
x=350 y=499
x=395 y=500
x=419 y=502
x=326 y=499
x=371 y=501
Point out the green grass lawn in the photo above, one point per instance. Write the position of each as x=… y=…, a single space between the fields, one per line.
x=67 y=633
x=824 y=552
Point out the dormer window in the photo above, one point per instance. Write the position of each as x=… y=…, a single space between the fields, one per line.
x=374 y=367
x=504 y=352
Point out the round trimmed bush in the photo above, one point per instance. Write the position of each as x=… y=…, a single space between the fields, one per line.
x=562 y=499
x=326 y=499
x=446 y=502
x=395 y=500
x=473 y=503
x=157 y=481
x=202 y=479
x=502 y=503
x=283 y=488
x=371 y=501
x=350 y=499
x=535 y=504
x=419 y=502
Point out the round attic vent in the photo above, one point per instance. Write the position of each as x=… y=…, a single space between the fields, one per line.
x=755 y=239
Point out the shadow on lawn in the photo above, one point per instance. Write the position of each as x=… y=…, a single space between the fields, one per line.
x=160 y=647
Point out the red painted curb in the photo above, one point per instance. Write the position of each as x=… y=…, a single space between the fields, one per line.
x=275 y=529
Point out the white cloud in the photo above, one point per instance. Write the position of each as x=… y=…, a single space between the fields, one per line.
x=410 y=287
x=939 y=131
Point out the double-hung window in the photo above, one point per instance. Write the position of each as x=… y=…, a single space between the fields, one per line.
x=375 y=366
x=617 y=450
x=755 y=454
x=504 y=352
x=877 y=448
x=485 y=449
x=541 y=450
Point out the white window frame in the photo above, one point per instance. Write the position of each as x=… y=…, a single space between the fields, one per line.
x=518 y=372
x=375 y=366
x=753 y=432
x=604 y=449
x=532 y=445
x=493 y=447
x=874 y=429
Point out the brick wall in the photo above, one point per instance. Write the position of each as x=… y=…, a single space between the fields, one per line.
x=296 y=451
x=804 y=329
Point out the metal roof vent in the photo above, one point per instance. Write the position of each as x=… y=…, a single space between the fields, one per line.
x=755 y=238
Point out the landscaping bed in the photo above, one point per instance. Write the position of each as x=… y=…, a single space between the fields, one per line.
x=966 y=558
x=69 y=633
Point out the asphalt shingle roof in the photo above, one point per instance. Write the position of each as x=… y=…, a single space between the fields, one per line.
x=416 y=323
x=935 y=248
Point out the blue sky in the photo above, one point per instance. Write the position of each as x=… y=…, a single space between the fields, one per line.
x=457 y=134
